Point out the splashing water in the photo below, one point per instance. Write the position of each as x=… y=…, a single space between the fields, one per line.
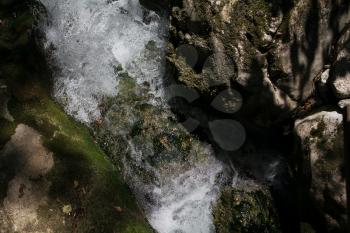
x=91 y=38
x=184 y=200
x=88 y=41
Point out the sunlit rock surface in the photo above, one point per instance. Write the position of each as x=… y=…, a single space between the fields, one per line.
x=321 y=166
x=26 y=191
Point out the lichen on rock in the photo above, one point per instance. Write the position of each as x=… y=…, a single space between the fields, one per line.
x=245 y=210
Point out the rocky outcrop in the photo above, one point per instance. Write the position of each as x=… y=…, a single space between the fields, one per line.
x=275 y=52
x=230 y=40
x=245 y=209
x=53 y=176
x=287 y=58
x=321 y=167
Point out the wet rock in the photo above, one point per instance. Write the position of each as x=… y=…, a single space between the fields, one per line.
x=147 y=135
x=158 y=155
x=321 y=167
x=244 y=210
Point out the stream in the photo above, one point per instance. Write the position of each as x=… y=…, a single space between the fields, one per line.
x=93 y=44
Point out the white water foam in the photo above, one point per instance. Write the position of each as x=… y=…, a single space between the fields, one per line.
x=184 y=201
x=91 y=38
x=87 y=39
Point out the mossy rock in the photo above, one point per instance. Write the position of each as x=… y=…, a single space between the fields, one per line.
x=81 y=178
x=245 y=211
x=79 y=159
x=130 y=119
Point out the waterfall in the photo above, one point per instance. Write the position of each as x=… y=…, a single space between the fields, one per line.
x=89 y=39
x=91 y=44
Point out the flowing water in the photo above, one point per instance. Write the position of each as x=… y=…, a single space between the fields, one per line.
x=89 y=39
x=92 y=44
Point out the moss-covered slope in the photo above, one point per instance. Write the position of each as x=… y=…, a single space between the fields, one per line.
x=86 y=193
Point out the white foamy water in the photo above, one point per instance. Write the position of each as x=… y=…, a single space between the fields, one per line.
x=88 y=39
x=184 y=200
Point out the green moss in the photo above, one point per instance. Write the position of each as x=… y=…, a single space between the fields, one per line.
x=131 y=119
x=78 y=158
x=82 y=175
x=239 y=211
x=7 y=130
x=187 y=75
x=252 y=17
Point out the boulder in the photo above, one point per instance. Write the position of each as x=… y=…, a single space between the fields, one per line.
x=341 y=79
x=245 y=210
x=321 y=168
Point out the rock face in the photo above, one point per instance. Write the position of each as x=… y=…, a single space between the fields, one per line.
x=287 y=58
x=321 y=167
x=340 y=79
x=299 y=56
x=231 y=39
x=274 y=52
x=247 y=210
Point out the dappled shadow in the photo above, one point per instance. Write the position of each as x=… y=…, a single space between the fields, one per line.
x=264 y=122
x=268 y=124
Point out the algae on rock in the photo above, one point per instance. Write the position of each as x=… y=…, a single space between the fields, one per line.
x=240 y=210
